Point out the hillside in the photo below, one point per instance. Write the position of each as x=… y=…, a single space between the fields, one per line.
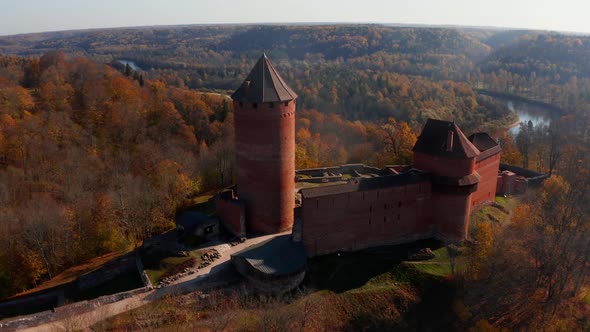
x=371 y=290
x=289 y=41
x=109 y=157
x=91 y=162
x=556 y=57
x=361 y=72
x=547 y=67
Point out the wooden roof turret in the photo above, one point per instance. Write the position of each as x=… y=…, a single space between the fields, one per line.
x=263 y=85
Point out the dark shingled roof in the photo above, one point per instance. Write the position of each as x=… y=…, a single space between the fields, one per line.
x=482 y=141
x=264 y=85
x=386 y=181
x=433 y=140
x=277 y=256
x=191 y=219
x=486 y=144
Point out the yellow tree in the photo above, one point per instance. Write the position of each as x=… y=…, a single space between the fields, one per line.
x=483 y=240
x=510 y=153
x=399 y=141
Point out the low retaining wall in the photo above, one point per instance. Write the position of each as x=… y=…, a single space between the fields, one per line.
x=66 y=311
x=142 y=274
x=108 y=272
x=35 y=302
x=55 y=298
x=276 y=286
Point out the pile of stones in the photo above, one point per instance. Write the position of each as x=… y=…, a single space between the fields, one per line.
x=177 y=272
x=171 y=279
x=422 y=255
x=209 y=257
x=235 y=241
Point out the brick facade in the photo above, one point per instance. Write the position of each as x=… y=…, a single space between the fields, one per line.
x=454 y=178
x=363 y=219
x=265 y=162
x=486 y=189
x=231 y=211
x=432 y=198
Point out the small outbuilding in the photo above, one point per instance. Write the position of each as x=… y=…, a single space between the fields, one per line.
x=197 y=227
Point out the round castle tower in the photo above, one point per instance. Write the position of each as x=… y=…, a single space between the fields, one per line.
x=443 y=150
x=264 y=121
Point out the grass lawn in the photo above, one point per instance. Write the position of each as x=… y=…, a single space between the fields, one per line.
x=440 y=265
x=483 y=214
x=368 y=288
x=509 y=202
x=369 y=268
x=347 y=271
x=502 y=200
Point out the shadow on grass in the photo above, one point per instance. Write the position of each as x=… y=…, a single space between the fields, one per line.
x=350 y=270
x=121 y=283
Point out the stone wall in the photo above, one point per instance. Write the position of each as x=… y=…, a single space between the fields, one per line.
x=53 y=298
x=525 y=177
x=276 y=286
x=144 y=277
x=36 y=302
x=527 y=173
x=66 y=311
x=111 y=270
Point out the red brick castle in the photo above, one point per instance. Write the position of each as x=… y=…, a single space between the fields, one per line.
x=364 y=206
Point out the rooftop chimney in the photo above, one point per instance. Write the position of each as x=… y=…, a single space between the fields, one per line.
x=450 y=136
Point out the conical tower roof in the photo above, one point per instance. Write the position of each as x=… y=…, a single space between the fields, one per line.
x=264 y=85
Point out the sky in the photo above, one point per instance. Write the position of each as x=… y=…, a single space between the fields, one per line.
x=25 y=16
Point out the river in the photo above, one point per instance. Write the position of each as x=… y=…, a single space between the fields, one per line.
x=537 y=114
x=131 y=64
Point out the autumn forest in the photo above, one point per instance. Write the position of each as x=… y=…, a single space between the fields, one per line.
x=97 y=155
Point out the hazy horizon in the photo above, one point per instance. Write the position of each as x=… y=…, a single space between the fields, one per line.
x=35 y=16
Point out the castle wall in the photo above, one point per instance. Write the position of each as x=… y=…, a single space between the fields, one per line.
x=451 y=216
x=265 y=145
x=486 y=188
x=450 y=167
x=506 y=183
x=451 y=203
x=231 y=213
x=363 y=219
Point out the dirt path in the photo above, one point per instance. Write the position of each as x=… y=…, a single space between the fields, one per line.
x=201 y=280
